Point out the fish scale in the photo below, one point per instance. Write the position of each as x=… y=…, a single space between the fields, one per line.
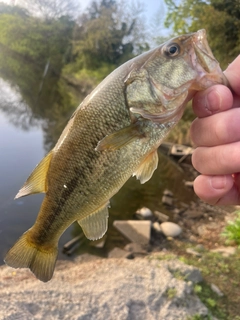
x=112 y=135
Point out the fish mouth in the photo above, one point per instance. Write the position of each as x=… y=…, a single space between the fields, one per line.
x=207 y=67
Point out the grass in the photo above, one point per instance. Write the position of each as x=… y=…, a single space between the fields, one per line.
x=200 y=317
x=216 y=269
x=210 y=299
x=232 y=231
x=171 y=293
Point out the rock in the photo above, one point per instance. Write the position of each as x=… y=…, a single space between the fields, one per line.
x=170 y=229
x=156 y=227
x=176 y=211
x=193 y=252
x=193 y=238
x=193 y=214
x=177 y=267
x=167 y=197
x=225 y=251
x=99 y=243
x=202 y=230
x=116 y=289
x=184 y=205
x=187 y=223
x=135 y=231
x=119 y=253
x=199 y=248
x=160 y=216
x=135 y=249
x=216 y=290
x=168 y=193
x=72 y=243
x=212 y=225
x=167 y=200
x=188 y=184
x=144 y=213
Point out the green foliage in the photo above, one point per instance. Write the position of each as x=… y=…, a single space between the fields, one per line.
x=219 y=17
x=211 y=302
x=106 y=34
x=200 y=317
x=232 y=230
x=171 y=293
x=210 y=299
x=198 y=288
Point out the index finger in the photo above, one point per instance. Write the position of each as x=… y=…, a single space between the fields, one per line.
x=219 y=98
x=233 y=75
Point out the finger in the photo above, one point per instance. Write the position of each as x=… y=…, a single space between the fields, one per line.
x=223 y=159
x=233 y=75
x=217 y=190
x=236 y=101
x=217 y=129
x=219 y=98
x=212 y=100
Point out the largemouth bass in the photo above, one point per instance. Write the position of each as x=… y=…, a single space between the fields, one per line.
x=113 y=134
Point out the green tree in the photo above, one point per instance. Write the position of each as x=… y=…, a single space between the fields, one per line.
x=107 y=34
x=53 y=9
x=221 y=19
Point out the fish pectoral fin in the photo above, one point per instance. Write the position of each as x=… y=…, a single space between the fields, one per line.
x=36 y=182
x=145 y=171
x=95 y=225
x=121 y=138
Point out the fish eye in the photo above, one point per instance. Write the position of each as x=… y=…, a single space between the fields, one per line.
x=172 y=50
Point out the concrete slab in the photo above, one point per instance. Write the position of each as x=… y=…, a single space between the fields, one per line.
x=135 y=231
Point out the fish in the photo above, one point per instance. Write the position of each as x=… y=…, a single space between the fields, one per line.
x=113 y=134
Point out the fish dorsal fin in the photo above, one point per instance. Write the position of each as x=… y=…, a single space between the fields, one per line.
x=121 y=138
x=95 y=225
x=145 y=171
x=36 y=182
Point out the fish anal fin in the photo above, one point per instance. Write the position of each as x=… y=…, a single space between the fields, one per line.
x=95 y=225
x=25 y=254
x=36 y=182
x=121 y=138
x=145 y=171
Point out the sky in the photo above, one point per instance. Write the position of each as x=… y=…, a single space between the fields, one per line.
x=153 y=10
x=151 y=6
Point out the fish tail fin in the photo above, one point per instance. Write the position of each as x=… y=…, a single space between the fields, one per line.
x=25 y=254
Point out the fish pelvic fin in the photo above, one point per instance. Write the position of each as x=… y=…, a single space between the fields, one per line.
x=25 y=254
x=37 y=181
x=146 y=169
x=121 y=138
x=95 y=225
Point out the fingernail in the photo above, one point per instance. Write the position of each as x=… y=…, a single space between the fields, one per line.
x=213 y=101
x=218 y=182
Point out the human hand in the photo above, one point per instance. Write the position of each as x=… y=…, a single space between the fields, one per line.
x=216 y=133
